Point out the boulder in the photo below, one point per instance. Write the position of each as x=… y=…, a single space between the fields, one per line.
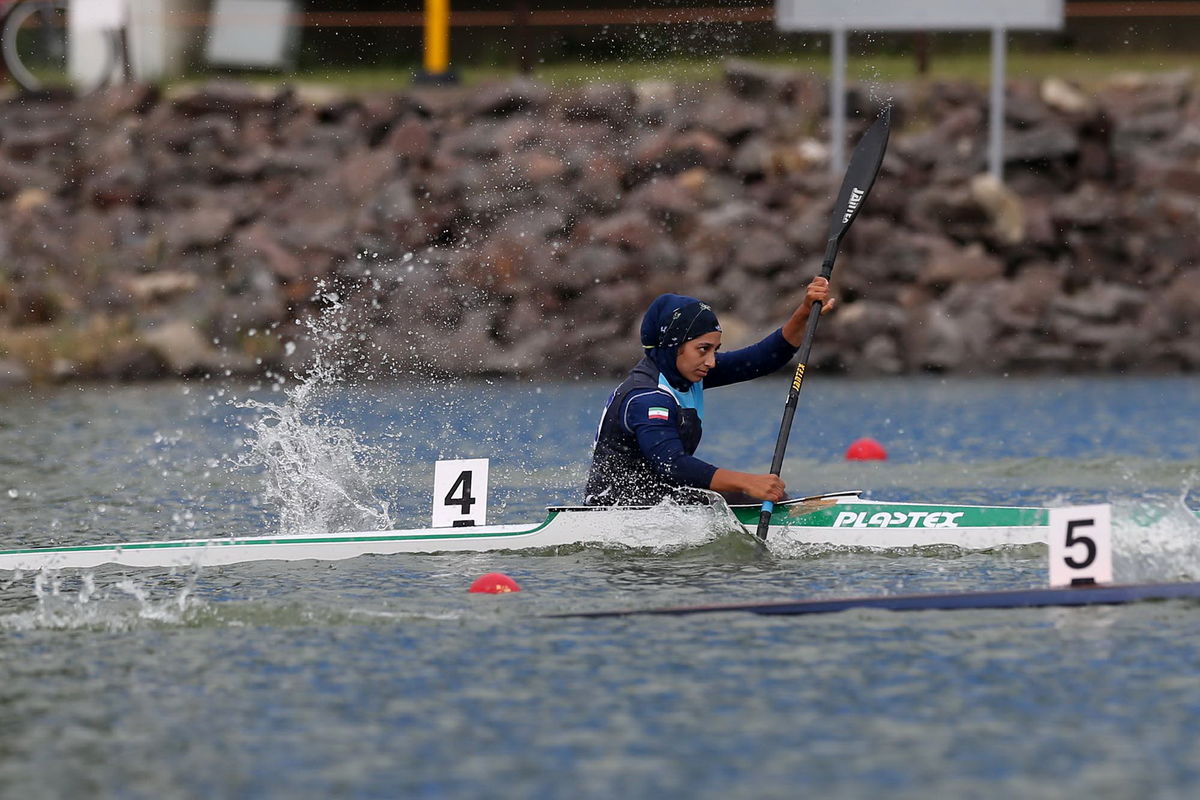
x=1101 y=303
x=1180 y=304
x=730 y=117
x=199 y=228
x=760 y=251
x=1043 y=143
x=760 y=82
x=953 y=267
x=229 y=98
x=1004 y=208
x=933 y=340
x=614 y=103
x=1066 y=98
x=654 y=100
x=502 y=98
x=672 y=152
x=533 y=226
x=13 y=374
x=865 y=321
x=155 y=287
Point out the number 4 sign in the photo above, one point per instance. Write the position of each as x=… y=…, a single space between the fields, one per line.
x=1080 y=545
x=460 y=493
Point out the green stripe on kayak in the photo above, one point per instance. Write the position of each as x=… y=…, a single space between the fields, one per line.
x=891 y=515
x=382 y=536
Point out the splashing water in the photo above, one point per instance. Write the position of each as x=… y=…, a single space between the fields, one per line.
x=671 y=527
x=1155 y=541
x=76 y=602
x=315 y=470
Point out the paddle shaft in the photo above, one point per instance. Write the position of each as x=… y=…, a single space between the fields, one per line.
x=860 y=177
x=793 y=399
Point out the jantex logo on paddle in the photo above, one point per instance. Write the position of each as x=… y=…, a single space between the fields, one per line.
x=898 y=519
x=856 y=196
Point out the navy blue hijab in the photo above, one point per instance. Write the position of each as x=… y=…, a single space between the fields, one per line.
x=671 y=320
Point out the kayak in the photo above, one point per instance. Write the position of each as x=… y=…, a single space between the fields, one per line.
x=840 y=519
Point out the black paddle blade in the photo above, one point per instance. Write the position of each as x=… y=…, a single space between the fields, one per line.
x=860 y=175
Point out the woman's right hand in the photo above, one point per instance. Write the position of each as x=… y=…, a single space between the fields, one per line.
x=760 y=487
x=764 y=487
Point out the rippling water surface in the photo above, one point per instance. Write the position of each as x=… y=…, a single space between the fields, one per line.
x=383 y=677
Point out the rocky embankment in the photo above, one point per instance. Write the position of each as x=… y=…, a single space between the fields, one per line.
x=514 y=228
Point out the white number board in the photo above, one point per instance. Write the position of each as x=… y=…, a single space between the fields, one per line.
x=1080 y=545
x=460 y=493
x=918 y=15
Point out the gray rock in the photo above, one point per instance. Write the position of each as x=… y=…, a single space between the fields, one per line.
x=672 y=152
x=880 y=355
x=593 y=264
x=966 y=265
x=1043 y=143
x=227 y=97
x=1101 y=303
x=199 y=228
x=1066 y=98
x=1003 y=206
x=730 y=117
x=654 y=101
x=1181 y=304
x=516 y=222
x=13 y=374
x=183 y=348
x=760 y=251
x=509 y=97
x=933 y=340
x=613 y=103
x=767 y=84
x=866 y=321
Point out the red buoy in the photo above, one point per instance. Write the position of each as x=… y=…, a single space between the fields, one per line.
x=494 y=583
x=865 y=449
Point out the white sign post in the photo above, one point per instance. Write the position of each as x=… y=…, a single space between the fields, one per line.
x=460 y=493
x=841 y=16
x=92 y=28
x=1080 y=545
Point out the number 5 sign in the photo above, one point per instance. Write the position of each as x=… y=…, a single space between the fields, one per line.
x=460 y=493
x=1080 y=545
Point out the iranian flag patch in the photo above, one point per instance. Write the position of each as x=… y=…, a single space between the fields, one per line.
x=657 y=413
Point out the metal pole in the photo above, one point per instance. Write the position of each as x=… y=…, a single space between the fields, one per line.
x=996 y=130
x=837 y=104
x=437 y=37
x=521 y=23
x=437 y=45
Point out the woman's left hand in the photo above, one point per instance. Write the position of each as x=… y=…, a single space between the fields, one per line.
x=817 y=292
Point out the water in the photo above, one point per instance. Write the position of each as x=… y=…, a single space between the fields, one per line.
x=383 y=677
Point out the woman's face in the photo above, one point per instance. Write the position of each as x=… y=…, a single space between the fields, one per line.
x=696 y=357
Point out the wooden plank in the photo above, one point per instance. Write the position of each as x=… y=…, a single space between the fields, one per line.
x=648 y=16
x=1142 y=9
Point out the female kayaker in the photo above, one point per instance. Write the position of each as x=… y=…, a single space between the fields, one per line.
x=646 y=444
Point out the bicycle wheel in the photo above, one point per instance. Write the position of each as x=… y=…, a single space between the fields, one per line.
x=33 y=42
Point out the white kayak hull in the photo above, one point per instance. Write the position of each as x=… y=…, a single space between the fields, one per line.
x=840 y=520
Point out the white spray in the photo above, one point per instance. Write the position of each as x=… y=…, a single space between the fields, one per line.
x=314 y=469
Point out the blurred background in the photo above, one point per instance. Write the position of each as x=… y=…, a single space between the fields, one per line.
x=322 y=37
x=500 y=189
x=263 y=262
